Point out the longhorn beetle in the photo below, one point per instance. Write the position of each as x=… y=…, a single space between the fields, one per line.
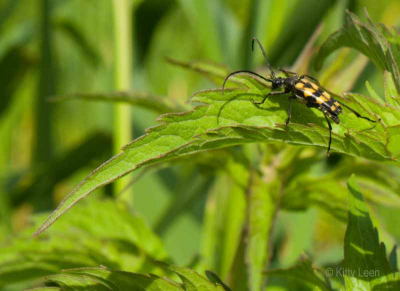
x=310 y=93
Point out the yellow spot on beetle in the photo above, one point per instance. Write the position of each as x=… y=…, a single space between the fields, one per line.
x=323 y=98
x=314 y=86
x=333 y=107
x=326 y=95
x=308 y=93
x=337 y=104
x=299 y=85
x=319 y=100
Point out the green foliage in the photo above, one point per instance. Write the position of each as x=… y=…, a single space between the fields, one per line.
x=228 y=118
x=373 y=41
x=365 y=266
x=98 y=233
x=305 y=188
x=231 y=119
x=242 y=192
x=107 y=279
x=306 y=273
x=365 y=263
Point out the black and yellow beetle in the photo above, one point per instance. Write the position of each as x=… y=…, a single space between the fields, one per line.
x=310 y=93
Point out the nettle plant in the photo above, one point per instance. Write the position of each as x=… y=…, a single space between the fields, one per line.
x=257 y=175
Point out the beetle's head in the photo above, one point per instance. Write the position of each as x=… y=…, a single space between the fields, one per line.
x=278 y=82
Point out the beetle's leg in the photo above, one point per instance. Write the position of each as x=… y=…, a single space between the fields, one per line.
x=357 y=114
x=311 y=78
x=330 y=134
x=289 y=112
x=288 y=72
x=266 y=96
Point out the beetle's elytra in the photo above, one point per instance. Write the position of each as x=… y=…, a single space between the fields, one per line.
x=308 y=91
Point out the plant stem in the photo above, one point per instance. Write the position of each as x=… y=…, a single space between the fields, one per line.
x=123 y=77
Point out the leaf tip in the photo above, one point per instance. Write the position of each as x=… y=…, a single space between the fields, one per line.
x=38 y=231
x=352 y=184
x=45 y=225
x=50 y=220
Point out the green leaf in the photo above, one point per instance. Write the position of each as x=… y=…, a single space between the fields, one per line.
x=392 y=36
x=393 y=259
x=307 y=188
x=305 y=273
x=98 y=233
x=216 y=280
x=107 y=279
x=393 y=143
x=391 y=93
x=75 y=283
x=120 y=280
x=159 y=104
x=192 y=281
x=231 y=119
x=365 y=266
x=366 y=38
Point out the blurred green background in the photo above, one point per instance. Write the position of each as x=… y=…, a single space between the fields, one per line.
x=55 y=47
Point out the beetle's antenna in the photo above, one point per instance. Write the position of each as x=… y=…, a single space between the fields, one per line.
x=264 y=54
x=243 y=71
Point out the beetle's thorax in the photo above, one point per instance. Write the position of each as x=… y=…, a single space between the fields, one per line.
x=286 y=83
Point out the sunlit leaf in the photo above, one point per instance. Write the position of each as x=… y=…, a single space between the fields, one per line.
x=192 y=280
x=366 y=38
x=391 y=93
x=107 y=279
x=380 y=186
x=305 y=273
x=365 y=262
x=231 y=119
